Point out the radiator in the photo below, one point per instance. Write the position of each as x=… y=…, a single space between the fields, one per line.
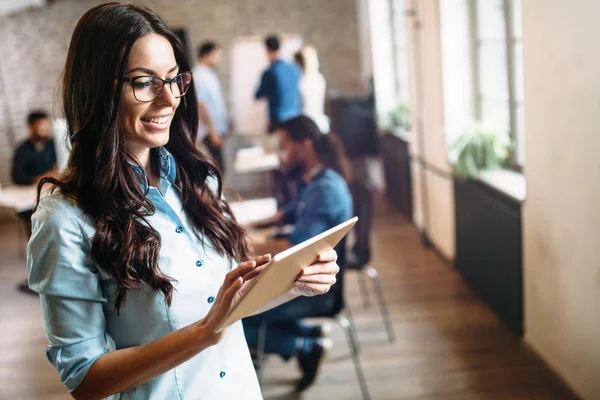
x=489 y=252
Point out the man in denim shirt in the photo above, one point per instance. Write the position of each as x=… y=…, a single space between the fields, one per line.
x=279 y=85
x=323 y=201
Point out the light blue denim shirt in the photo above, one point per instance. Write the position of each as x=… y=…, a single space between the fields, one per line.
x=77 y=300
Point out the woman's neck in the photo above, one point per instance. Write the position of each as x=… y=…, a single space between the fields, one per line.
x=145 y=161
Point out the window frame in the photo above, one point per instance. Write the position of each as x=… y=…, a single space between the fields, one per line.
x=513 y=103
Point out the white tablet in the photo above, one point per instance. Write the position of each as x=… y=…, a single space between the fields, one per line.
x=280 y=273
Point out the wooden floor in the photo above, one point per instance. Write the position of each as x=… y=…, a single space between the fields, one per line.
x=449 y=346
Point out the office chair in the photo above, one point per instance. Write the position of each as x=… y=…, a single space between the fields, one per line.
x=353 y=121
x=339 y=314
x=358 y=258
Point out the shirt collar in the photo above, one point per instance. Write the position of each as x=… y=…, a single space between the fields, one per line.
x=166 y=163
x=314 y=174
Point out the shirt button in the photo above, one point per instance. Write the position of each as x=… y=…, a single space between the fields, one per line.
x=210 y=299
x=199 y=263
x=222 y=374
x=179 y=229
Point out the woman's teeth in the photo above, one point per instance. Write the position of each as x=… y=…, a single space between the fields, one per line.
x=160 y=121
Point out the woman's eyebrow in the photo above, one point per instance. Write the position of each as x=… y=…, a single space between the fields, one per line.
x=149 y=71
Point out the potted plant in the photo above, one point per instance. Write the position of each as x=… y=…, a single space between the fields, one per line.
x=479 y=148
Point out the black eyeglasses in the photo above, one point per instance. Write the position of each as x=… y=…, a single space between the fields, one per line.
x=148 y=88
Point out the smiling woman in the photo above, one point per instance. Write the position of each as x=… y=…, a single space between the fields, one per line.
x=134 y=255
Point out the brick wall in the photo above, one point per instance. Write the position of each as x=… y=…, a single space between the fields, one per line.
x=33 y=46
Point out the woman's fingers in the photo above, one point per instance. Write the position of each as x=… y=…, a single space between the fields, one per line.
x=326 y=279
x=240 y=271
x=261 y=260
x=313 y=288
x=225 y=299
x=320 y=268
x=328 y=256
x=261 y=263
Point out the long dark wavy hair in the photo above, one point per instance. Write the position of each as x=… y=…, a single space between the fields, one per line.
x=99 y=175
x=328 y=147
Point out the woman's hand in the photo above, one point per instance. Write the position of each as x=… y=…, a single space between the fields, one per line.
x=239 y=278
x=317 y=278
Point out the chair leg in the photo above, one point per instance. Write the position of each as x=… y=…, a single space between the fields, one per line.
x=352 y=328
x=372 y=272
x=260 y=356
x=364 y=293
x=348 y=329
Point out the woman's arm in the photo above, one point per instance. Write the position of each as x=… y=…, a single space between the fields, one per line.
x=120 y=370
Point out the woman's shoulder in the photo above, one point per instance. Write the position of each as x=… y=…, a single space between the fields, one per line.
x=58 y=210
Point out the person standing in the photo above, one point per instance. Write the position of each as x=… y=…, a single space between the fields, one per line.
x=211 y=102
x=312 y=87
x=279 y=85
x=136 y=256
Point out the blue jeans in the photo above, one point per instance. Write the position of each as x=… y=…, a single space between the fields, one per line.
x=286 y=335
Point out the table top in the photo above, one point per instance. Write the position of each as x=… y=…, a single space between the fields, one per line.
x=249 y=211
x=255 y=160
x=18 y=198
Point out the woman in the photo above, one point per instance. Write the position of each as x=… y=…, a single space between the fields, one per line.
x=312 y=87
x=133 y=255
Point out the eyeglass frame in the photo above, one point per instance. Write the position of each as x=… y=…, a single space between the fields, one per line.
x=131 y=81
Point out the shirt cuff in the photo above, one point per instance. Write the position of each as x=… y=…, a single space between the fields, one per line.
x=73 y=361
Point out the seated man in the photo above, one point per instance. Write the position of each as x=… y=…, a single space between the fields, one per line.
x=323 y=201
x=33 y=160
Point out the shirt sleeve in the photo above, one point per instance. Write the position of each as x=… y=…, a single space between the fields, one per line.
x=19 y=169
x=289 y=212
x=319 y=205
x=61 y=270
x=266 y=83
x=201 y=88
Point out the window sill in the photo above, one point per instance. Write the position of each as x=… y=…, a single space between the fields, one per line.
x=510 y=183
x=400 y=133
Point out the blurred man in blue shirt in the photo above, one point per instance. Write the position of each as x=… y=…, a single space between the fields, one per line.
x=211 y=103
x=279 y=85
x=322 y=202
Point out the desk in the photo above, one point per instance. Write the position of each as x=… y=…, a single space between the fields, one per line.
x=255 y=160
x=18 y=198
x=249 y=211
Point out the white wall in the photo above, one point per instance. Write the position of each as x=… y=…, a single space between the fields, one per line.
x=561 y=215
x=425 y=80
x=364 y=41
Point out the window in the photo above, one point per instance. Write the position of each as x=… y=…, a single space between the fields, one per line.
x=390 y=67
x=498 y=76
x=398 y=17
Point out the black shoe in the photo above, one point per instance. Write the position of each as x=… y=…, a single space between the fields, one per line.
x=311 y=363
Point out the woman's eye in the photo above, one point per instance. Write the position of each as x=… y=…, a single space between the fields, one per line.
x=142 y=84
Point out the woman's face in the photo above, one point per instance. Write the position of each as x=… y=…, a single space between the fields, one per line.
x=146 y=125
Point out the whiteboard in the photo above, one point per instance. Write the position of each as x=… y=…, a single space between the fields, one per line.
x=248 y=62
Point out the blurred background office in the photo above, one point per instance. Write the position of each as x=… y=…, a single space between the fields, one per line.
x=471 y=129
